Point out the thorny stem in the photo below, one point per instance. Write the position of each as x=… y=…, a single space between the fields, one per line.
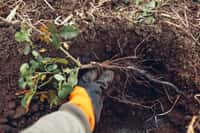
x=77 y=62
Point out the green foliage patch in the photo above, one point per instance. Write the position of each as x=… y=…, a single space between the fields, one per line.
x=47 y=78
x=147 y=11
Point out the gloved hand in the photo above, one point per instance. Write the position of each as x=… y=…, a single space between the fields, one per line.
x=82 y=111
x=88 y=94
x=94 y=85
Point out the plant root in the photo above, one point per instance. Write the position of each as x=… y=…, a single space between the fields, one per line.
x=142 y=73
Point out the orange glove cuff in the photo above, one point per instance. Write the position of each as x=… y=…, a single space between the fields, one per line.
x=80 y=98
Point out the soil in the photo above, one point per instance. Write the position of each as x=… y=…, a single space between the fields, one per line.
x=164 y=52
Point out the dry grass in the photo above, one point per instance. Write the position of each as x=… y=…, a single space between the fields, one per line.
x=178 y=14
x=194 y=125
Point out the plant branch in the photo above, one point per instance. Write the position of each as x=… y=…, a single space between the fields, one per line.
x=45 y=83
x=77 y=62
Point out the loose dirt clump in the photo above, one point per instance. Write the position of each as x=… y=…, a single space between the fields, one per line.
x=160 y=90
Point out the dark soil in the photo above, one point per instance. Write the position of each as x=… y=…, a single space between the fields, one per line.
x=165 y=53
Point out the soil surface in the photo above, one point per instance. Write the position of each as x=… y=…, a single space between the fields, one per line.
x=163 y=51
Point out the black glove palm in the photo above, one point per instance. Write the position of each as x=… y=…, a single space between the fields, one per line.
x=95 y=85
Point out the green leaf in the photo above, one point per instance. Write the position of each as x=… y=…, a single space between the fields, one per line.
x=59 y=77
x=52 y=28
x=73 y=77
x=22 y=83
x=56 y=41
x=150 y=20
x=34 y=65
x=67 y=70
x=25 y=102
x=65 y=90
x=52 y=67
x=53 y=99
x=29 y=81
x=46 y=60
x=145 y=13
x=126 y=1
x=69 y=32
x=24 y=69
x=27 y=49
x=67 y=87
x=151 y=5
x=22 y=36
x=137 y=2
x=35 y=53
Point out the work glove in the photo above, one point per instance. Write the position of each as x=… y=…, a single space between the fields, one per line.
x=88 y=94
x=94 y=84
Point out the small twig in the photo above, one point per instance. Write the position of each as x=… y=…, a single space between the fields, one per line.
x=197 y=98
x=170 y=110
x=95 y=55
x=125 y=84
x=67 y=19
x=59 y=21
x=49 y=5
x=22 y=92
x=129 y=102
x=167 y=93
x=42 y=92
x=29 y=24
x=186 y=18
x=45 y=83
x=136 y=48
x=191 y=125
x=12 y=14
x=124 y=58
x=161 y=105
x=6 y=21
x=178 y=16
